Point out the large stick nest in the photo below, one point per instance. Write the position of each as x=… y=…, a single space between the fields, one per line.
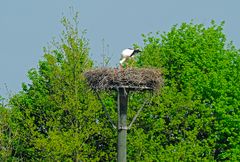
x=131 y=78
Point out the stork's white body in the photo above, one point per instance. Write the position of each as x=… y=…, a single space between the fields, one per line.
x=126 y=54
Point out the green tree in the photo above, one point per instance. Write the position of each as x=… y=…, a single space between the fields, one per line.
x=195 y=118
x=5 y=143
x=58 y=116
x=197 y=115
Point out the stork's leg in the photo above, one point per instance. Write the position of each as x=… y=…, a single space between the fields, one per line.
x=115 y=72
x=120 y=67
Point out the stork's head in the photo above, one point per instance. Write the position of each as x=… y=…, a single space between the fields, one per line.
x=136 y=50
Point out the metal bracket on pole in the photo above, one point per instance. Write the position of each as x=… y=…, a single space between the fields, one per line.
x=122 y=128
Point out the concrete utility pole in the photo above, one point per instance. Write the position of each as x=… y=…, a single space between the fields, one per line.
x=124 y=81
x=122 y=125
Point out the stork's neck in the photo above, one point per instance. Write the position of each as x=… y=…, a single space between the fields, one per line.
x=135 y=51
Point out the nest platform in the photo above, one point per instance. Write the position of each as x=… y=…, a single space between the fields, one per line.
x=129 y=78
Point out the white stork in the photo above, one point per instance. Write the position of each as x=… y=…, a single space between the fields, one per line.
x=128 y=53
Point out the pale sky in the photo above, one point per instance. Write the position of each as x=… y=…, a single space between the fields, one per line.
x=27 y=26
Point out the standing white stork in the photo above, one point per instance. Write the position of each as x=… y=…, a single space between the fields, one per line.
x=128 y=53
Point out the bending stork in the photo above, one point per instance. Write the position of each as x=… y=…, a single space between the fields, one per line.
x=128 y=53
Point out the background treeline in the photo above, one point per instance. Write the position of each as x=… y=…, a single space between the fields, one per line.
x=195 y=117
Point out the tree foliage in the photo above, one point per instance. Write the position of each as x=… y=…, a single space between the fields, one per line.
x=195 y=117
x=58 y=115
